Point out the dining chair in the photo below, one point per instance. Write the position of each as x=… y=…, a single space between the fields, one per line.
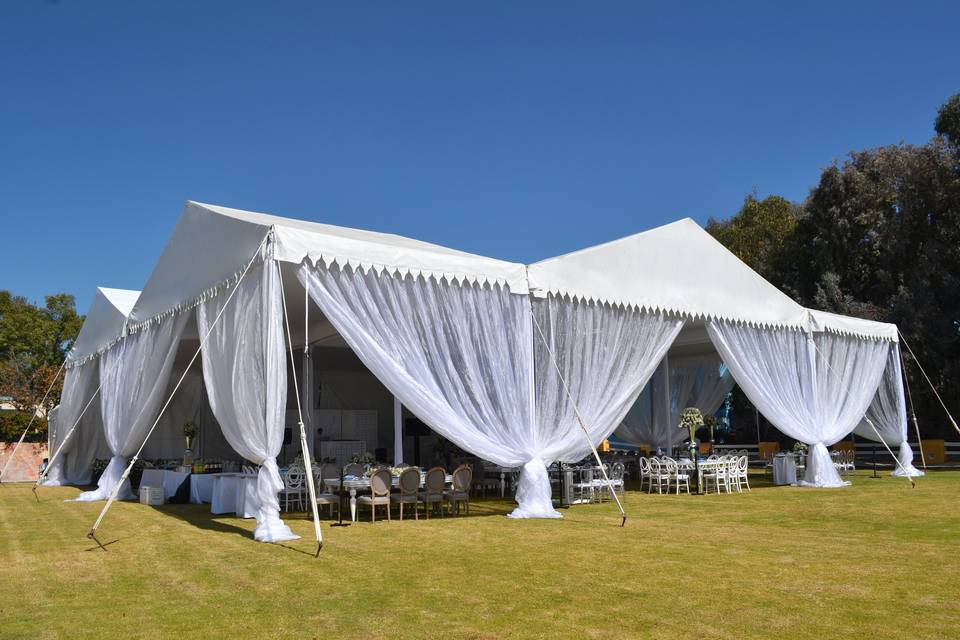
x=380 y=483
x=292 y=491
x=323 y=494
x=677 y=477
x=643 y=471
x=460 y=493
x=353 y=469
x=433 y=485
x=409 y=483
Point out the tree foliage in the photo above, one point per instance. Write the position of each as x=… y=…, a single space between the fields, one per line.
x=34 y=340
x=879 y=238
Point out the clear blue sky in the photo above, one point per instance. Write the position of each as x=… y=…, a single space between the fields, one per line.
x=515 y=130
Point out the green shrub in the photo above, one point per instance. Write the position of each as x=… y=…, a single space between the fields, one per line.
x=12 y=424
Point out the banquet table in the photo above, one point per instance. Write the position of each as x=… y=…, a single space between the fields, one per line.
x=201 y=487
x=503 y=471
x=355 y=485
x=234 y=493
x=699 y=467
x=784 y=469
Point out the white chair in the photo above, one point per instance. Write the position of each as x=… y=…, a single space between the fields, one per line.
x=617 y=472
x=658 y=476
x=743 y=473
x=676 y=477
x=643 y=471
x=719 y=475
x=600 y=487
x=292 y=492
x=584 y=485
x=380 y=483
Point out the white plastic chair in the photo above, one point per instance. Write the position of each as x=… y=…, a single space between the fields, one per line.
x=293 y=483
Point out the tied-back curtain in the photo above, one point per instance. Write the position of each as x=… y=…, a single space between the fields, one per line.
x=459 y=356
x=888 y=413
x=79 y=384
x=245 y=373
x=606 y=355
x=134 y=375
x=813 y=387
x=702 y=383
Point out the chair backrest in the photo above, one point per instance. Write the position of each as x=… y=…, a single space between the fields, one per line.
x=380 y=482
x=409 y=481
x=742 y=463
x=293 y=478
x=353 y=469
x=462 y=477
x=654 y=466
x=672 y=466
x=435 y=480
x=644 y=466
x=616 y=471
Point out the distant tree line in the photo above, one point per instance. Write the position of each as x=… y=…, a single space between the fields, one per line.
x=879 y=238
x=34 y=340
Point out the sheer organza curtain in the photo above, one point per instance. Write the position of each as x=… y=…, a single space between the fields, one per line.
x=134 y=375
x=461 y=357
x=888 y=413
x=694 y=382
x=606 y=354
x=79 y=384
x=245 y=373
x=812 y=387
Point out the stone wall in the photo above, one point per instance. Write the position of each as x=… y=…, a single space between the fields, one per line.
x=25 y=467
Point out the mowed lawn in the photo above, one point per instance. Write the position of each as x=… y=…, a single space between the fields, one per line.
x=877 y=559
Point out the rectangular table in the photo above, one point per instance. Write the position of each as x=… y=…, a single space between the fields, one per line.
x=235 y=493
x=784 y=469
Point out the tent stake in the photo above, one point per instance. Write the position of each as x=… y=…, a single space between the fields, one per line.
x=93 y=537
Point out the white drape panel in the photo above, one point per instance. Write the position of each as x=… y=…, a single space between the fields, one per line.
x=134 y=375
x=460 y=357
x=888 y=413
x=702 y=383
x=79 y=383
x=606 y=355
x=245 y=373
x=167 y=440
x=814 y=388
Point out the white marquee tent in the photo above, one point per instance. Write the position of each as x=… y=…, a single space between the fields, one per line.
x=497 y=357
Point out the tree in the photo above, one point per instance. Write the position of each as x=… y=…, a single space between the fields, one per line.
x=948 y=121
x=33 y=343
x=759 y=233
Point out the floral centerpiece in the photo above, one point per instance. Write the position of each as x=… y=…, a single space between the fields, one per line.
x=189 y=433
x=799 y=447
x=691 y=419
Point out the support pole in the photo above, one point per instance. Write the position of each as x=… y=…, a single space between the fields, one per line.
x=23 y=435
x=308 y=468
x=576 y=412
x=397 y=432
x=913 y=413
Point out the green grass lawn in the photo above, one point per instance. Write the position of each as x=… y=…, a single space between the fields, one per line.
x=877 y=559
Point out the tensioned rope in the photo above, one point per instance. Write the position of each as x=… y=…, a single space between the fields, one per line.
x=32 y=418
x=126 y=472
x=865 y=417
x=305 y=449
x=576 y=412
x=913 y=413
x=930 y=382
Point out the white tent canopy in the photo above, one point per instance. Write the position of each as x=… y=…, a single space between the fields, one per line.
x=484 y=351
x=103 y=324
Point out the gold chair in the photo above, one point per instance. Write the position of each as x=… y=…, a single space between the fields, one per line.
x=409 y=491
x=433 y=486
x=460 y=494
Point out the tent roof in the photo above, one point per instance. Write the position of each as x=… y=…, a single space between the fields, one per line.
x=103 y=324
x=678 y=268
x=211 y=245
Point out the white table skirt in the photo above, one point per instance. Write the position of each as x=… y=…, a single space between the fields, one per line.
x=201 y=487
x=172 y=481
x=785 y=469
x=152 y=478
x=235 y=493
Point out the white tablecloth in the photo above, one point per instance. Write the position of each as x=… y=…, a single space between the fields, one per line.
x=785 y=469
x=201 y=487
x=152 y=478
x=234 y=493
x=172 y=481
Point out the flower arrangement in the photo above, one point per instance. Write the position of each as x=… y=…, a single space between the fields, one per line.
x=691 y=419
x=366 y=458
x=799 y=447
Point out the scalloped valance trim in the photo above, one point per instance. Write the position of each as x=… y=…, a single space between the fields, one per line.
x=328 y=260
